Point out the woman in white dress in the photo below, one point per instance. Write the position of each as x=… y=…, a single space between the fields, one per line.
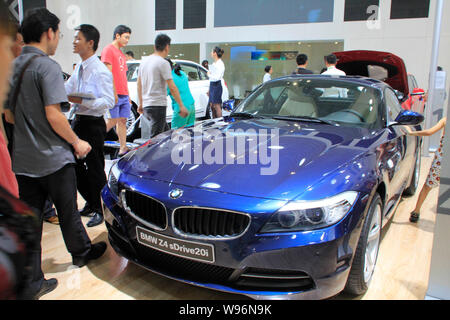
x=215 y=74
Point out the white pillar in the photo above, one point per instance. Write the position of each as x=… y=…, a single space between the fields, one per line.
x=433 y=68
x=20 y=2
x=179 y=15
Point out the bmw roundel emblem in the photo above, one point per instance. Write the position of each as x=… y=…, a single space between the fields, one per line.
x=176 y=193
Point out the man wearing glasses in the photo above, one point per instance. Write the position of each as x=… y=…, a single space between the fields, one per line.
x=45 y=145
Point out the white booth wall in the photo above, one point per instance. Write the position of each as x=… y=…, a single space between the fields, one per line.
x=411 y=39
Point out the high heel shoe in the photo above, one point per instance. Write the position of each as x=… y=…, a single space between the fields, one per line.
x=414 y=217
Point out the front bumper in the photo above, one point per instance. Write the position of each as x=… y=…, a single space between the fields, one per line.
x=312 y=265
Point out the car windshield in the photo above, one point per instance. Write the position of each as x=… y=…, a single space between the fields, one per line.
x=323 y=100
x=190 y=70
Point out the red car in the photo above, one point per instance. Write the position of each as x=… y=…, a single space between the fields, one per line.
x=386 y=67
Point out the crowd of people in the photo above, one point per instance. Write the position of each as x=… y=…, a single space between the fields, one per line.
x=49 y=160
x=330 y=62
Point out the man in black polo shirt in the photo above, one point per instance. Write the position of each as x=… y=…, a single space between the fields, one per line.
x=44 y=143
x=302 y=63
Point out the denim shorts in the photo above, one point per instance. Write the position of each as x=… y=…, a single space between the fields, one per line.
x=122 y=109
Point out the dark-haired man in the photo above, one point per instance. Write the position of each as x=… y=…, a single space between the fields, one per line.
x=330 y=63
x=90 y=77
x=18 y=44
x=8 y=118
x=116 y=62
x=130 y=55
x=49 y=211
x=44 y=143
x=302 y=63
x=155 y=74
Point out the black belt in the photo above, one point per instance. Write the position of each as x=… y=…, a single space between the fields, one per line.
x=84 y=117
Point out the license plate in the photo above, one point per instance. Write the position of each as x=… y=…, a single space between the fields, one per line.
x=181 y=248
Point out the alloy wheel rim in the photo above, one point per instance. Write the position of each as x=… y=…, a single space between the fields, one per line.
x=130 y=127
x=210 y=113
x=373 y=243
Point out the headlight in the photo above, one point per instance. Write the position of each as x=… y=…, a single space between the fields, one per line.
x=310 y=215
x=113 y=178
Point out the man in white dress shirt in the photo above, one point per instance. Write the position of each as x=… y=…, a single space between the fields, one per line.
x=268 y=74
x=94 y=82
x=330 y=62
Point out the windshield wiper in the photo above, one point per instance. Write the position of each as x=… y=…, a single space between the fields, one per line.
x=245 y=115
x=304 y=118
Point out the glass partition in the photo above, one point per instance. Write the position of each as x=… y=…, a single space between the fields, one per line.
x=245 y=62
x=189 y=51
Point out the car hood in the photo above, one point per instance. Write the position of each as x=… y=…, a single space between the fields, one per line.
x=299 y=156
x=355 y=63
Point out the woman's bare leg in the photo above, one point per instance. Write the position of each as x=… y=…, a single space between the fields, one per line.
x=217 y=110
x=422 y=196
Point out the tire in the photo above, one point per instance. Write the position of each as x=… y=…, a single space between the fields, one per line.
x=209 y=114
x=412 y=188
x=133 y=130
x=366 y=254
x=112 y=135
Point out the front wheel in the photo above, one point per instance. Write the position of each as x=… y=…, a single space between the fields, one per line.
x=209 y=113
x=366 y=253
x=412 y=188
x=133 y=130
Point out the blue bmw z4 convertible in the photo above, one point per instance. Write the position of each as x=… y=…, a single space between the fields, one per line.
x=283 y=199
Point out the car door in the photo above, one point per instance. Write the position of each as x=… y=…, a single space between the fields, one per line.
x=399 y=151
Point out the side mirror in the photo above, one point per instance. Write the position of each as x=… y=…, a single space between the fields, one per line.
x=400 y=95
x=408 y=117
x=418 y=92
x=229 y=105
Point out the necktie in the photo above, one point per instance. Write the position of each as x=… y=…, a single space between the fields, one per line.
x=80 y=79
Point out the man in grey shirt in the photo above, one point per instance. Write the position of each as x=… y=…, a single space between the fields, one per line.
x=155 y=74
x=44 y=144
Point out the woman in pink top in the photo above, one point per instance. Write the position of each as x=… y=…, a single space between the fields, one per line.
x=7 y=35
x=434 y=176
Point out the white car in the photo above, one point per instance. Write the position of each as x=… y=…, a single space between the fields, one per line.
x=198 y=84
